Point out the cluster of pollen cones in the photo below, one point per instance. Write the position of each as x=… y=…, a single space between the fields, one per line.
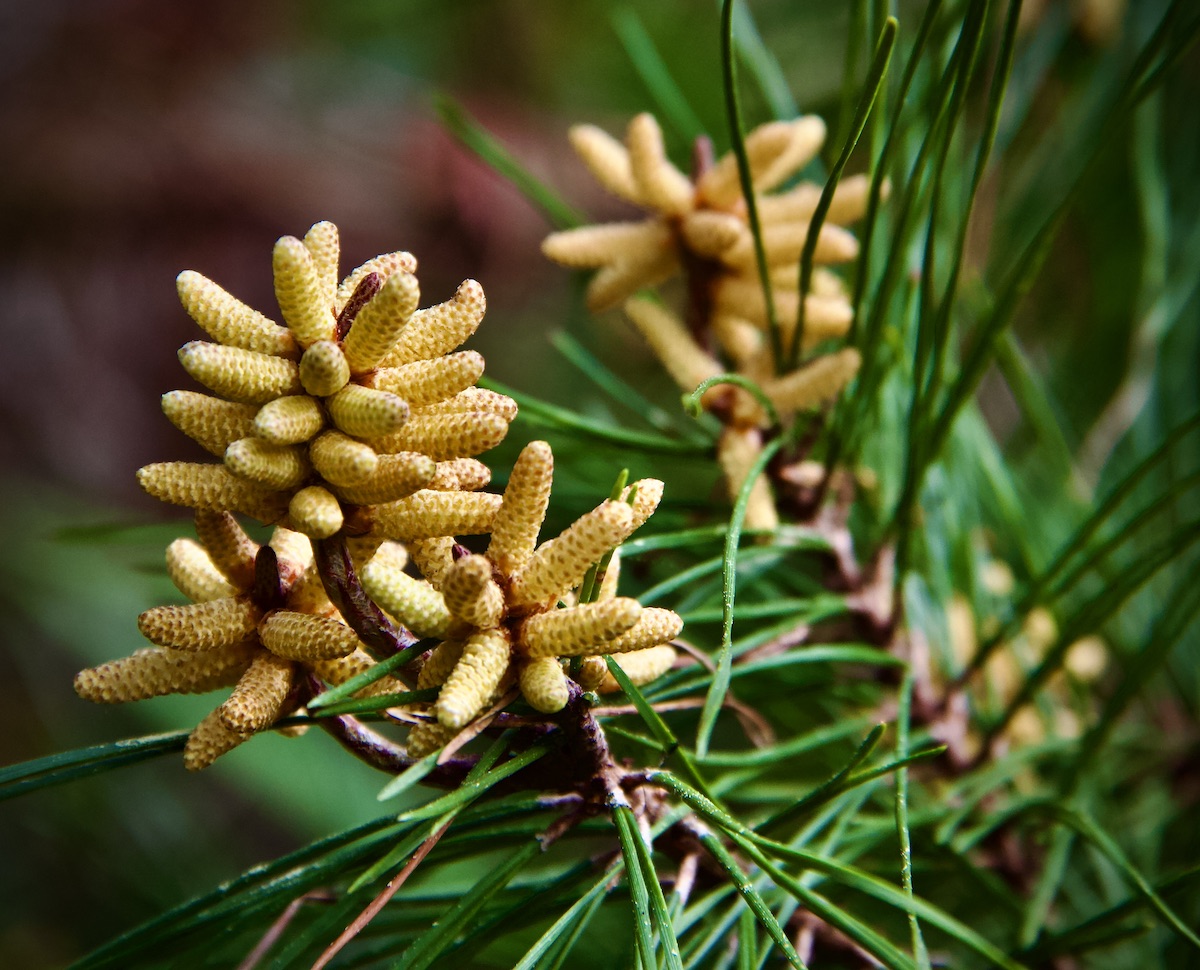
x=358 y=421
x=698 y=227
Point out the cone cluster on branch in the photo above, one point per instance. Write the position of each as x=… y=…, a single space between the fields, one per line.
x=259 y=621
x=358 y=422
x=699 y=227
x=359 y=400
x=513 y=613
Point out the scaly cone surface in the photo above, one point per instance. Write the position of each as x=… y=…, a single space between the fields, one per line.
x=358 y=399
x=259 y=622
x=512 y=613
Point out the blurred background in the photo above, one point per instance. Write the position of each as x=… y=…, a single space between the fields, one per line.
x=146 y=138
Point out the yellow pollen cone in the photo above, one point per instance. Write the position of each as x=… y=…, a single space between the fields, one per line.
x=655 y=626
x=591 y=674
x=816 y=383
x=460 y=474
x=299 y=292
x=544 y=685
x=385 y=266
x=579 y=630
x=379 y=324
x=324 y=248
x=446 y=436
x=193 y=572
x=426 y=514
x=660 y=184
x=526 y=498
x=210 y=487
x=414 y=602
x=342 y=460
x=228 y=320
x=433 y=556
x=210 y=739
x=302 y=636
x=363 y=412
x=485 y=658
x=590 y=247
x=737 y=451
x=442 y=659
x=641 y=666
x=276 y=467
x=606 y=158
x=428 y=381
x=324 y=369
x=315 y=512
x=559 y=564
x=258 y=698
x=231 y=550
x=440 y=329
x=687 y=363
x=239 y=375
x=288 y=420
x=471 y=594
x=212 y=423
x=157 y=671
x=395 y=477
x=428 y=737
x=200 y=626
x=473 y=399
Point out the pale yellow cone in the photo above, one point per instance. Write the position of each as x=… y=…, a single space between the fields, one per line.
x=641 y=666
x=606 y=158
x=315 y=512
x=579 y=630
x=240 y=375
x=194 y=574
x=342 y=460
x=395 y=477
x=210 y=487
x=228 y=320
x=210 y=739
x=442 y=659
x=426 y=514
x=526 y=498
x=258 y=698
x=324 y=369
x=471 y=594
x=363 y=412
x=384 y=266
x=544 y=685
x=276 y=467
x=428 y=381
x=414 y=602
x=379 y=324
x=200 y=626
x=289 y=420
x=446 y=436
x=212 y=423
x=440 y=329
x=560 y=564
x=484 y=660
x=300 y=294
x=157 y=671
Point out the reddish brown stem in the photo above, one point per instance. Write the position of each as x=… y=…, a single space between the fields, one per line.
x=370 y=284
x=374 y=628
x=390 y=890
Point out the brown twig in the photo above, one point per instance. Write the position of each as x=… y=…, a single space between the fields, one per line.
x=275 y=930
x=374 y=628
x=368 y=286
x=379 y=752
x=372 y=910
